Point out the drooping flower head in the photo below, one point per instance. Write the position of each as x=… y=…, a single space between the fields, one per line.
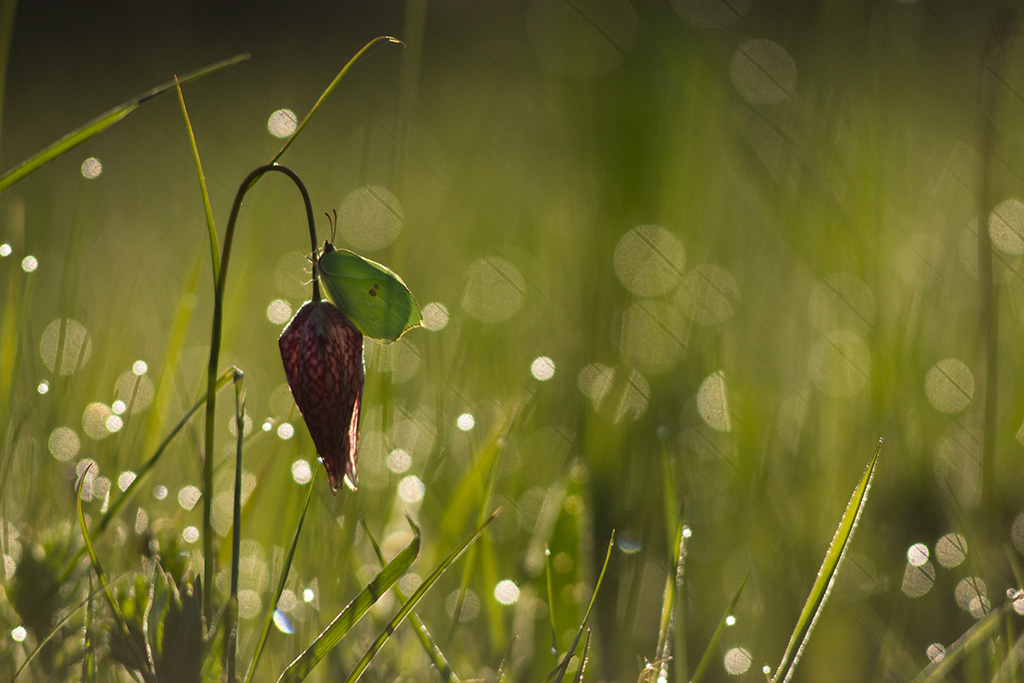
x=323 y=361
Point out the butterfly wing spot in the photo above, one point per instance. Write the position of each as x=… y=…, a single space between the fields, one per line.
x=373 y=290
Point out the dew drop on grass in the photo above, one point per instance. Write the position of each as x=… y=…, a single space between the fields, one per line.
x=936 y=652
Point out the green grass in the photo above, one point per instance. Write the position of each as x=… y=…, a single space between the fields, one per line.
x=719 y=382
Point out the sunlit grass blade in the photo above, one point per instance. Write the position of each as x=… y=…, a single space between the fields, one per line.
x=1010 y=668
x=352 y=613
x=420 y=591
x=330 y=88
x=104 y=521
x=437 y=657
x=711 y=649
x=563 y=666
x=144 y=662
x=101 y=123
x=262 y=640
x=979 y=634
x=211 y=227
x=827 y=574
x=578 y=678
x=673 y=584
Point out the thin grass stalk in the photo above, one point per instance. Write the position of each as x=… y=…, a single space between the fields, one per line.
x=207 y=209
x=330 y=88
x=559 y=673
x=231 y=629
x=261 y=641
x=211 y=372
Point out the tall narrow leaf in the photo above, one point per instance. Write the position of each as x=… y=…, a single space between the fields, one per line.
x=353 y=612
x=827 y=574
x=420 y=591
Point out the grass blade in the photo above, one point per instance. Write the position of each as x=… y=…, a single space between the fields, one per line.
x=415 y=598
x=583 y=660
x=827 y=574
x=281 y=583
x=231 y=626
x=145 y=663
x=563 y=666
x=978 y=634
x=101 y=123
x=437 y=657
x=330 y=88
x=347 y=618
x=705 y=659
x=673 y=582
x=210 y=226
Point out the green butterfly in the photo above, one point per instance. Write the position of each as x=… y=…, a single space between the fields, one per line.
x=373 y=297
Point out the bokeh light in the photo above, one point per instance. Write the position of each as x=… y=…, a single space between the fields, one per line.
x=301 y=471
x=91 y=168
x=506 y=592
x=370 y=218
x=435 y=316
x=949 y=385
x=762 y=72
x=282 y=123
x=542 y=368
x=495 y=290
x=649 y=260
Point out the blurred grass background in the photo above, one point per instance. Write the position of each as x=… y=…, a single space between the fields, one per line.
x=745 y=239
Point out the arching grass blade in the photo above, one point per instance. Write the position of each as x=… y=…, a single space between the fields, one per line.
x=101 y=123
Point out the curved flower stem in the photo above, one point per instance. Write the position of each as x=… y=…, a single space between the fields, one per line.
x=211 y=384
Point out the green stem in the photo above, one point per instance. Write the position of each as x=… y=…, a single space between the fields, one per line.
x=231 y=629
x=209 y=568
